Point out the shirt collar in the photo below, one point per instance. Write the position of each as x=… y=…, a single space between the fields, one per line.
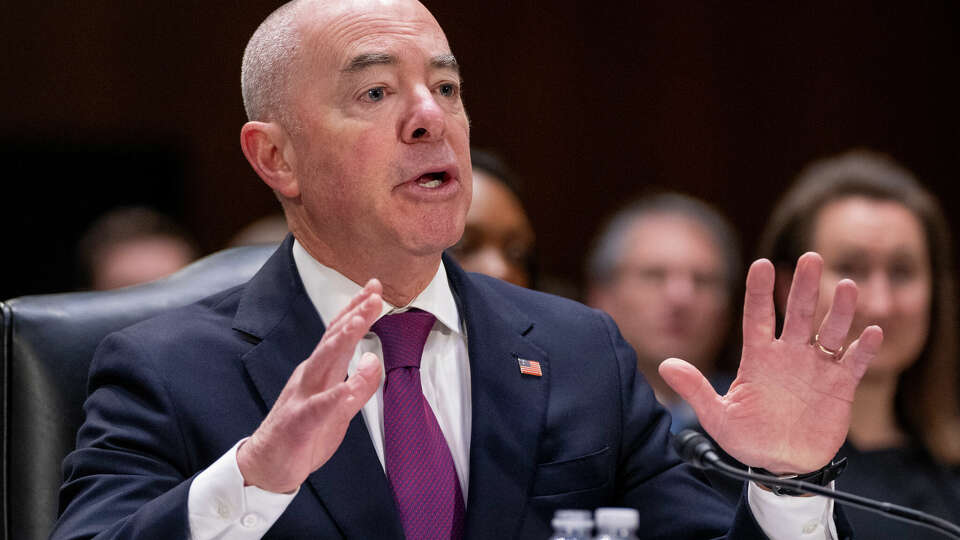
x=330 y=291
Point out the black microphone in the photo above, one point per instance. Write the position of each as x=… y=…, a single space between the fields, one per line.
x=696 y=449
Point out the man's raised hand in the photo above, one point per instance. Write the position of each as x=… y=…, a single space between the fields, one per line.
x=789 y=408
x=310 y=418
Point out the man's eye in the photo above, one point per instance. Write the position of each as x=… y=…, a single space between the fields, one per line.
x=448 y=90
x=376 y=94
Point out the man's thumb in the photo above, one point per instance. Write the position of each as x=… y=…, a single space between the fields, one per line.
x=687 y=381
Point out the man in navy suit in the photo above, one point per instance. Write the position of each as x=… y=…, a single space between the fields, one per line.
x=237 y=417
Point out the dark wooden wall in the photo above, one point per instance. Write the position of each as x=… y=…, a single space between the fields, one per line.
x=114 y=102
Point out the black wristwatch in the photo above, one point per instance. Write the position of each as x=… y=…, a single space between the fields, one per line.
x=820 y=477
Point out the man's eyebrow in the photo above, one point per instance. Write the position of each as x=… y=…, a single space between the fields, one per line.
x=445 y=61
x=363 y=61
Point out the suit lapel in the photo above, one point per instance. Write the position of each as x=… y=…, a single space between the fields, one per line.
x=509 y=408
x=276 y=310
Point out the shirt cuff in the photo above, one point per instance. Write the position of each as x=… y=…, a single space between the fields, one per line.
x=785 y=517
x=220 y=506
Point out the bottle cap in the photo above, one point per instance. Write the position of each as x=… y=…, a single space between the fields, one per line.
x=572 y=525
x=565 y=513
x=572 y=520
x=618 y=518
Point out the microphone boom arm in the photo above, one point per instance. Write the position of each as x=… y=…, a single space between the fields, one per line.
x=698 y=450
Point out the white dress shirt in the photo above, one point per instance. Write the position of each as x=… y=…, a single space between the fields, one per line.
x=220 y=506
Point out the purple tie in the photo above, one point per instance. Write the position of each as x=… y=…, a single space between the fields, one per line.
x=418 y=461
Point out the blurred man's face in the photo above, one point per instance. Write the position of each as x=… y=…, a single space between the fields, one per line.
x=669 y=296
x=382 y=137
x=139 y=260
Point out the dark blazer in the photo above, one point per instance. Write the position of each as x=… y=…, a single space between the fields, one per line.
x=171 y=395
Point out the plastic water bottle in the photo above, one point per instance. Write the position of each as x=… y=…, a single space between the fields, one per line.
x=572 y=525
x=617 y=523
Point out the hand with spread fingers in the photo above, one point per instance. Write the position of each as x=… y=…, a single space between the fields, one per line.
x=310 y=418
x=788 y=410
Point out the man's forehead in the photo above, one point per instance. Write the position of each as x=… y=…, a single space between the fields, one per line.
x=658 y=235
x=365 y=27
x=377 y=40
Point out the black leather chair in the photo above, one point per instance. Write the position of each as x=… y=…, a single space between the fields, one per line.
x=48 y=342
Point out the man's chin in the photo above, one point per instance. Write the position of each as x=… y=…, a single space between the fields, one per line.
x=429 y=246
x=431 y=237
x=662 y=353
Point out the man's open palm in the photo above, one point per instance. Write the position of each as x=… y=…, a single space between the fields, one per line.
x=789 y=408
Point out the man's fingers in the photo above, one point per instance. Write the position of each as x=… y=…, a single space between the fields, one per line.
x=364 y=382
x=328 y=363
x=863 y=350
x=835 y=326
x=802 y=300
x=346 y=398
x=759 y=317
x=372 y=287
x=350 y=327
x=692 y=386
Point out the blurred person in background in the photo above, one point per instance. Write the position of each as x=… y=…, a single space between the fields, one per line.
x=132 y=245
x=497 y=240
x=665 y=268
x=873 y=222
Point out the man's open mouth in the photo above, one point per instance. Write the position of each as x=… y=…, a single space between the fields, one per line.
x=432 y=180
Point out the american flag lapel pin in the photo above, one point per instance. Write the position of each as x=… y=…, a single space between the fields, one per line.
x=529 y=367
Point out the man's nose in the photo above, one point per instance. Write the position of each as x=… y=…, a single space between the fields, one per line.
x=425 y=120
x=679 y=287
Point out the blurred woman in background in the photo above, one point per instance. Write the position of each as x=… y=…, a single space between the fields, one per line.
x=872 y=222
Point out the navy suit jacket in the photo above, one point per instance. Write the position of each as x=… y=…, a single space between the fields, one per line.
x=171 y=395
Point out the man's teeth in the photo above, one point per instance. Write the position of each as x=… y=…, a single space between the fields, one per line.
x=429 y=183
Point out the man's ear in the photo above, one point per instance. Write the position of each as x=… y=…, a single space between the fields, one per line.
x=269 y=150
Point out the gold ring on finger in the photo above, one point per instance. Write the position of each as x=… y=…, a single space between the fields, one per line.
x=833 y=354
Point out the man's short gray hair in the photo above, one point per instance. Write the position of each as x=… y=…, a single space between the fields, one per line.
x=608 y=248
x=268 y=66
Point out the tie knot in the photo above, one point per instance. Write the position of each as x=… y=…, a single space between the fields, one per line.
x=403 y=336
